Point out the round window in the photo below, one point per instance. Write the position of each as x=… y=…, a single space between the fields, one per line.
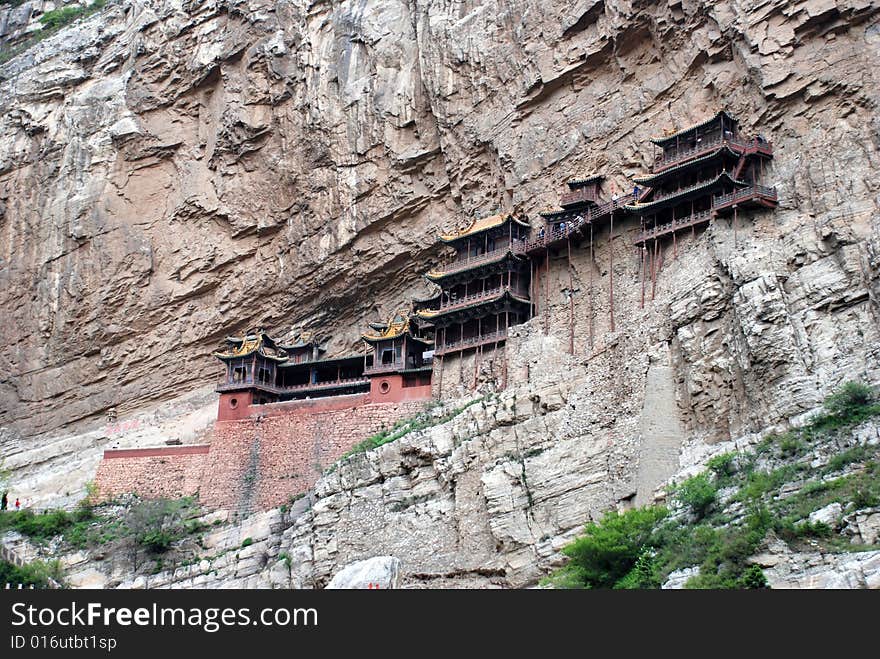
x=233 y=403
x=385 y=386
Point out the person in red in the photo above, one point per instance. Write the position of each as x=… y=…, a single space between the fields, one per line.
x=17 y=504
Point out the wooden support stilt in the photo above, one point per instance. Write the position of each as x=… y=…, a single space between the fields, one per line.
x=571 y=302
x=734 y=226
x=440 y=384
x=654 y=270
x=674 y=247
x=642 y=266
x=611 y=268
x=590 y=327
x=531 y=289
x=546 y=295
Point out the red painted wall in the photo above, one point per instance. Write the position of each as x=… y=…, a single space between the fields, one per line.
x=259 y=462
x=390 y=389
x=234 y=405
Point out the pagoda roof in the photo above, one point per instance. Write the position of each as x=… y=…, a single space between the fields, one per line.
x=552 y=212
x=654 y=179
x=686 y=192
x=257 y=342
x=429 y=314
x=665 y=139
x=397 y=326
x=583 y=180
x=478 y=226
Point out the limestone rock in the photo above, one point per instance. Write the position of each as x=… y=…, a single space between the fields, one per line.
x=829 y=515
x=377 y=572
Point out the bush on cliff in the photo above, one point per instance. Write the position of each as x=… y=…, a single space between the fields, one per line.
x=609 y=549
x=36 y=573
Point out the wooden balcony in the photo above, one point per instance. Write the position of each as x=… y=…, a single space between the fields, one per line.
x=472 y=342
x=737 y=143
x=579 y=196
x=476 y=298
x=676 y=225
x=463 y=264
x=760 y=194
x=397 y=366
x=271 y=387
x=554 y=235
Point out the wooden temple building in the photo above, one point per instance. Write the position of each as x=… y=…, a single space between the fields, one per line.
x=398 y=358
x=484 y=288
x=260 y=370
x=699 y=173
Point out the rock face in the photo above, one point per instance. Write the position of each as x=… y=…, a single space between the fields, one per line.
x=172 y=171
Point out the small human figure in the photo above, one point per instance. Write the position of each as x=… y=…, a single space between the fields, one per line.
x=17 y=504
x=636 y=192
x=541 y=233
x=5 y=502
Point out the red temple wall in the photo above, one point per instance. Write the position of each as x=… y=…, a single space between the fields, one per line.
x=393 y=389
x=257 y=462
x=234 y=405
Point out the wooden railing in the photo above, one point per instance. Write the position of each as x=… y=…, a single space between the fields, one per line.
x=268 y=385
x=467 y=300
x=718 y=202
x=469 y=262
x=224 y=385
x=482 y=339
x=328 y=384
x=562 y=229
x=397 y=365
x=738 y=143
x=744 y=193
x=675 y=225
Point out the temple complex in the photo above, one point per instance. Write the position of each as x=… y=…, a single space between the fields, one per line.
x=287 y=410
x=699 y=173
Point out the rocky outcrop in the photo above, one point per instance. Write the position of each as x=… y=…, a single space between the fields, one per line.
x=375 y=573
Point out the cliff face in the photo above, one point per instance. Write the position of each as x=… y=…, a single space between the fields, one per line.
x=173 y=171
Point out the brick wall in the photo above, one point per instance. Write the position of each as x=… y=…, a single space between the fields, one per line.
x=172 y=471
x=255 y=463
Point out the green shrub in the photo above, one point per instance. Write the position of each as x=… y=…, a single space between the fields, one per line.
x=157 y=524
x=698 y=493
x=247 y=542
x=609 y=550
x=752 y=578
x=643 y=575
x=57 y=18
x=851 y=398
x=723 y=465
x=36 y=573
